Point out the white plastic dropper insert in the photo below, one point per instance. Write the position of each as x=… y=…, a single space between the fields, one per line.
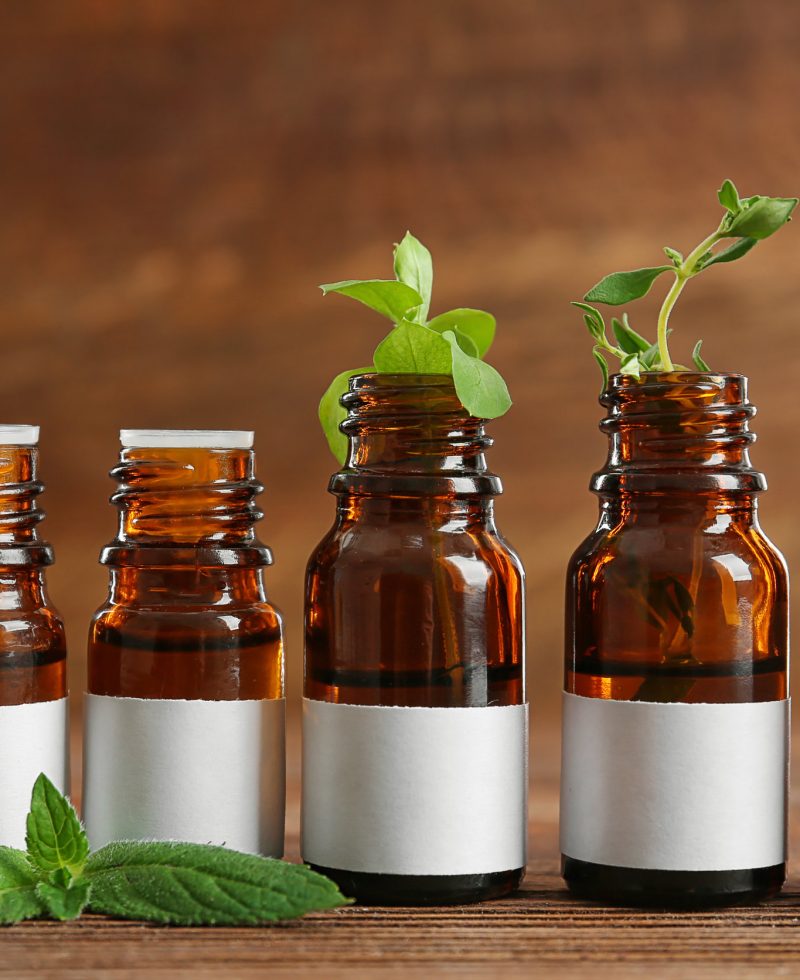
x=185 y=439
x=19 y=435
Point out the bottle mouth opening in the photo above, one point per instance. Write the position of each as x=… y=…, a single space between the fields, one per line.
x=19 y=435
x=186 y=439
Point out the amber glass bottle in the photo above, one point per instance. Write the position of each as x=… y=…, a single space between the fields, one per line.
x=33 y=668
x=185 y=711
x=675 y=710
x=415 y=737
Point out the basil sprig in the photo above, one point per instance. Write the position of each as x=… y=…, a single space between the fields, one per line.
x=452 y=343
x=159 y=881
x=747 y=221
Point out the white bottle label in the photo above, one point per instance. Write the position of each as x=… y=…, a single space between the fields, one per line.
x=201 y=771
x=414 y=791
x=674 y=787
x=33 y=739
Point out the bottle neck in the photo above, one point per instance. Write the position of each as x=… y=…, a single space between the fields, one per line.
x=678 y=433
x=711 y=512
x=438 y=513
x=22 y=588
x=178 y=587
x=186 y=506
x=20 y=544
x=410 y=435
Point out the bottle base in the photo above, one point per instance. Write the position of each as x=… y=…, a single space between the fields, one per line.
x=648 y=888
x=381 y=889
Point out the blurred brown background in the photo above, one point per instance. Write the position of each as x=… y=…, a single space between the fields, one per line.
x=177 y=177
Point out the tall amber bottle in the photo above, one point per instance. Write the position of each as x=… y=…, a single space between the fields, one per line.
x=185 y=712
x=33 y=652
x=675 y=705
x=415 y=722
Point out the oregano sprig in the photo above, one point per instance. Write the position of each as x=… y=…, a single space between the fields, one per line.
x=452 y=343
x=746 y=220
x=159 y=881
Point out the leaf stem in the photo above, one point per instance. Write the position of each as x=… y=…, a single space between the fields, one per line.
x=683 y=272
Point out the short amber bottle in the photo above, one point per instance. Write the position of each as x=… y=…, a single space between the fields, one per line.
x=33 y=666
x=185 y=712
x=675 y=713
x=415 y=737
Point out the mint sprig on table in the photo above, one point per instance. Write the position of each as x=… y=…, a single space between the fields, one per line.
x=746 y=222
x=159 y=881
x=452 y=343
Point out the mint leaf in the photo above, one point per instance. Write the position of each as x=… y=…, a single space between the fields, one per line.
x=198 y=884
x=622 y=287
x=699 y=363
x=762 y=217
x=387 y=296
x=413 y=349
x=54 y=837
x=18 y=898
x=732 y=252
x=479 y=387
x=64 y=903
x=332 y=413
x=729 y=197
x=478 y=325
x=627 y=338
x=413 y=265
x=673 y=255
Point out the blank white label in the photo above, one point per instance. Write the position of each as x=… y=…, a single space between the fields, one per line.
x=675 y=787
x=414 y=791
x=33 y=739
x=201 y=771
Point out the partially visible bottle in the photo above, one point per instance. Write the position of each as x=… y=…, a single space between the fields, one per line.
x=415 y=716
x=676 y=704
x=185 y=710
x=33 y=651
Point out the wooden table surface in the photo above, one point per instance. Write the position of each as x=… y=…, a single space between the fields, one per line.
x=539 y=932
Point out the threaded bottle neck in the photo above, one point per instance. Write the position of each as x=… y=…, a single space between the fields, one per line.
x=680 y=432
x=20 y=516
x=186 y=504
x=409 y=433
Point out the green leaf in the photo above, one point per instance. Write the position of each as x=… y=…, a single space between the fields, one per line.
x=762 y=217
x=18 y=898
x=732 y=252
x=54 y=837
x=466 y=343
x=332 y=413
x=198 y=884
x=623 y=287
x=481 y=389
x=627 y=338
x=478 y=325
x=413 y=349
x=413 y=265
x=699 y=363
x=387 y=296
x=729 y=197
x=673 y=255
x=598 y=356
x=64 y=903
x=630 y=365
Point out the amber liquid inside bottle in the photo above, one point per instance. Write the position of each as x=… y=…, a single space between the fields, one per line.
x=187 y=615
x=33 y=651
x=414 y=598
x=677 y=595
